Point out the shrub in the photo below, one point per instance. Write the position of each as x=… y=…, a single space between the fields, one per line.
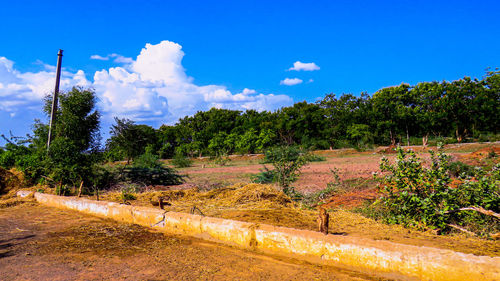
x=422 y=197
x=460 y=169
x=265 y=176
x=287 y=161
x=127 y=193
x=221 y=159
x=311 y=157
x=181 y=161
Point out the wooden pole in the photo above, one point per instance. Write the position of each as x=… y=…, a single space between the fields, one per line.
x=53 y=111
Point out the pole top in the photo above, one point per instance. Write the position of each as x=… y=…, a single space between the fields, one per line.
x=60 y=52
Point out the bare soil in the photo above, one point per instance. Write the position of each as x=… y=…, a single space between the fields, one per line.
x=42 y=243
x=350 y=163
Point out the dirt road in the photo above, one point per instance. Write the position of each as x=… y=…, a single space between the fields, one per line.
x=41 y=243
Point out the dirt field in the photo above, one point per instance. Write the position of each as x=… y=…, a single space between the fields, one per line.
x=41 y=243
x=350 y=163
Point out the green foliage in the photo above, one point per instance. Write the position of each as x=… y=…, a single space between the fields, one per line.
x=311 y=157
x=460 y=169
x=359 y=135
x=147 y=170
x=181 y=161
x=423 y=197
x=63 y=190
x=264 y=176
x=127 y=193
x=287 y=161
x=129 y=140
x=147 y=160
x=221 y=159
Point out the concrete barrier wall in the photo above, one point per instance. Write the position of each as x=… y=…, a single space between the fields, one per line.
x=381 y=258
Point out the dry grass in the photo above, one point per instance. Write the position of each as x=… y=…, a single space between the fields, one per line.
x=264 y=204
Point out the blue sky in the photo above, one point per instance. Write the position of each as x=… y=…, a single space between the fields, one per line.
x=233 y=54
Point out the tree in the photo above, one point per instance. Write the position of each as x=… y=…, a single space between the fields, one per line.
x=75 y=147
x=130 y=140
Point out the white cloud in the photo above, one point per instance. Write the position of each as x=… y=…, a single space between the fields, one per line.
x=19 y=91
x=116 y=58
x=97 y=57
x=290 y=81
x=309 y=66
x=153 y=88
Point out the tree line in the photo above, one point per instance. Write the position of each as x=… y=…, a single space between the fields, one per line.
x=457 y=111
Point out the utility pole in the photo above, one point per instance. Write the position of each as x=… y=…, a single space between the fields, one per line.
x=54 y=98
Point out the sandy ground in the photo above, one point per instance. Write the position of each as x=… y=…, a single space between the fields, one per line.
x=41 y=243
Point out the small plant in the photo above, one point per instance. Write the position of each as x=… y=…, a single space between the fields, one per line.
x=181 y=161
x=492 y=154
x=127 y=193
x=332 y=188
x=311 y=157
x=221 y=159
x=287 y=161
x=460 y=169
x=63 y=190
x=265 y=176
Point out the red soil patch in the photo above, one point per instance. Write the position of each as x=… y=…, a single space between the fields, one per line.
x=478 y=156
x=352 y=199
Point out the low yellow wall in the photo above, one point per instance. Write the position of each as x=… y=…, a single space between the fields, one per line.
x=381 y=258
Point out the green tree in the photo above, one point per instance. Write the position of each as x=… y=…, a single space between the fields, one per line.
x=74 y=149
x=130 y=140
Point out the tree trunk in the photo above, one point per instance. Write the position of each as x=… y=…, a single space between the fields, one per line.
x=407 y=137
x=393 y=140
x=459 y=136
x=425 y=140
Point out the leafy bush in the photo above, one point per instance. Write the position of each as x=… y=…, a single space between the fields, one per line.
x=423 y=197
x=287 y=161
x=128 y=193
x=460 y=169
x=311 y=157
x=181 y=161
x=147 y=170
x=221 y=159
x=265 y=176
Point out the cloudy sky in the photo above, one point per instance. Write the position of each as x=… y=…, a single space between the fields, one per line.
x=157 y=61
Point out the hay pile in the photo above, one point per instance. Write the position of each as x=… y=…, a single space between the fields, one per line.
x=10 y=182
x=238 y=196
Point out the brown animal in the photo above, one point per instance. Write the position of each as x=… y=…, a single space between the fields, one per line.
x=323 y=220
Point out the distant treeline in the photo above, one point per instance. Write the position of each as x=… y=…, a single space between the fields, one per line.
x=463 y=109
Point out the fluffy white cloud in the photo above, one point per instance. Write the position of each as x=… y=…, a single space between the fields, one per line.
x=19 y=91
x=290 y=81
x=152 y=88
x=306 y=66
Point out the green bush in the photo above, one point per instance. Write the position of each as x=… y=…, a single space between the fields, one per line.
x=128 y=193
x=265 y=176
x=287 y=161
x=460 y=169
x=421 y=197
x=146 y=169
x=181 y=161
